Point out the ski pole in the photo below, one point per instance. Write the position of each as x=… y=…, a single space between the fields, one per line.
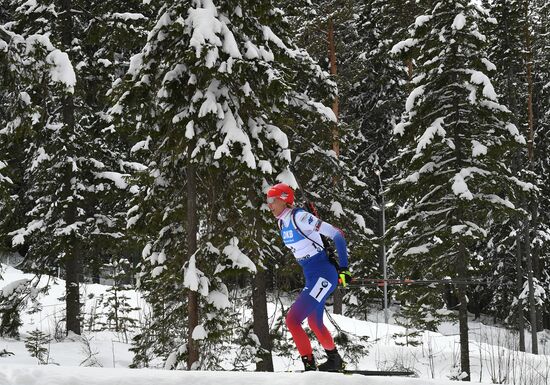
x=378 y=282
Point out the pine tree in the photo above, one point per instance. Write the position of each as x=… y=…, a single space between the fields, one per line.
x=454 y=141
x=510 y=264
x=69 y=178
x=118 y=310
x=324 y=164
x=541 y=54
x=35 y=344
x=208 y=127
x=372 y=95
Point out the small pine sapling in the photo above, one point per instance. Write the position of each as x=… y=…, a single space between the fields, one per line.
x=36 y=344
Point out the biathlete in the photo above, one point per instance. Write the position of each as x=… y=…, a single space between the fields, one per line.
x=301 y=232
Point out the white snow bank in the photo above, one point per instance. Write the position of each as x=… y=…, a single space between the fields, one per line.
x=54 y=375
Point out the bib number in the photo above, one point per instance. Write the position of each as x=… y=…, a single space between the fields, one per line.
x=320 y=290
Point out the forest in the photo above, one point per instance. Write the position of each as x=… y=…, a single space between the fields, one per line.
x=139 y=138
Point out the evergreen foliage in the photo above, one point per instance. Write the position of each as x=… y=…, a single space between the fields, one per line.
x=454 y=141
x=211 y=102
x=123 y=123
x=36 y=346
x=118 y=311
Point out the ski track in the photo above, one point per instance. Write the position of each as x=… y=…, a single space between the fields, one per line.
x=69 y=375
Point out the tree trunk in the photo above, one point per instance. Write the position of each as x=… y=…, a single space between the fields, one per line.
x=264 y=358
x=516 y=166
x=334 y=72
x=529 y=67
x=530 y=281
x=463 y=314
x=338 y=293
x=264 y=361
x=519 y=289
x=72 y=260
x=192 y=228
x=72 y=300
x=530 y=153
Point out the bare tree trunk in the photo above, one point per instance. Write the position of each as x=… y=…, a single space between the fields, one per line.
x=72 y=260
x=334 y=72
x=72 y=300
x=529 y=74
x=192 y=228
x=519 y=289
x=338 y=293
x=463 y=314
x=530 y=153
x=261 y=322
x=264 y=358
x=532 y=304
x=409 y=63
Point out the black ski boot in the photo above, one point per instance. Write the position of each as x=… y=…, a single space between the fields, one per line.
x=309 y=363
x=334 y=362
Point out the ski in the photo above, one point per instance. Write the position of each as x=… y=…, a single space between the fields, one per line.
x=381 y=373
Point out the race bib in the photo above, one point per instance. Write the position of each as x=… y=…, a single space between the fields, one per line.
x=321 y=288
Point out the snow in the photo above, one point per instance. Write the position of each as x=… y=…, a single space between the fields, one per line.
x=207 y=27
x=54 y=375
x=252 y=52
x=490 y=66
x=286 y=176
x=190 y=130
x=460 y=188
x=115 y=177
x=62 y=70
x=434 y=360
x=191 y=275
x=199 y=333
x=239 y=259
x=142 y=145
x=218 y=299
x=40 y=157
x=278 y=135
x=234 y=134
x=19 y=235
x=403 y=46
x=435 y=128
x=423 y=249
x=513 y=130
x=421 y=20
x=478 y=149
x=478 y=77
x=325 y=111
x=336 y=209
x=25 y=97
x=128 y=16
x=269 y=35
x=459 y=22
x=418 y=91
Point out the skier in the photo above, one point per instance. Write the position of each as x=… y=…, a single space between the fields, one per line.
x=301 y=232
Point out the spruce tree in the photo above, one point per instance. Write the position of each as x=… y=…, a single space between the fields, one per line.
x=68 y=176
x=541 y=57
x=207 y=102
x=117 y=308
x=35 y=345
x=326 y=164
x=454 y=146
x=372 y=94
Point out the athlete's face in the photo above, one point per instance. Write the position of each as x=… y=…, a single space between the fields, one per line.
x=276 y=205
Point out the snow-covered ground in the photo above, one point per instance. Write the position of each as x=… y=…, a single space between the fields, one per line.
x=494 y=358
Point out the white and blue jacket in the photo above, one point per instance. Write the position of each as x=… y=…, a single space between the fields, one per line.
x=305 y=247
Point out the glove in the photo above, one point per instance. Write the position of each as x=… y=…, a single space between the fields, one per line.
x=344 y=276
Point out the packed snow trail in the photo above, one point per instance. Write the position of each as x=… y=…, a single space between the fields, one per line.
x=73 y=375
